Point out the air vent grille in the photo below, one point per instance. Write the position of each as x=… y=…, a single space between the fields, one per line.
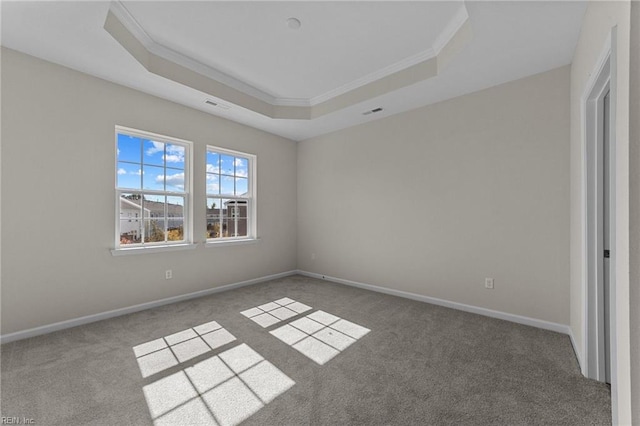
x=373 y=111
x=216 y=104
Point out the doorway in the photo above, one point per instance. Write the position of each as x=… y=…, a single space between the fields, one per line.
x=600 y=226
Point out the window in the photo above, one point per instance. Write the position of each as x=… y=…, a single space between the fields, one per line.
x=231 y=200
x=152 y=189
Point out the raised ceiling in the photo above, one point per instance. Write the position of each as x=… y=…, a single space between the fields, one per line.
x=346 y=58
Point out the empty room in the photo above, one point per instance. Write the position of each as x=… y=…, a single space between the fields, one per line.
x=320 y=213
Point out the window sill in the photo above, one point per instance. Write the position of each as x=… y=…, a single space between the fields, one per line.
x=240 y=242
x=151 y=249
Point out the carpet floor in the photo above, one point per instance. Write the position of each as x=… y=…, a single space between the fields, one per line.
x=258 y=355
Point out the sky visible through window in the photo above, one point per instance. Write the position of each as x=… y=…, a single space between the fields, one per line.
x=146 y=164
x=152 y=190
x=227 y=174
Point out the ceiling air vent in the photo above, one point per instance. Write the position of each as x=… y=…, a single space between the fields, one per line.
x=216 y=104
x=373 y=111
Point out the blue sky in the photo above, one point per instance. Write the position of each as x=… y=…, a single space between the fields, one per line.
x=142 y=162
x=226 y=174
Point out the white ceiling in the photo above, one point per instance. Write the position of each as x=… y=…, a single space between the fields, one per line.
x=339 y=43
x=336 y=43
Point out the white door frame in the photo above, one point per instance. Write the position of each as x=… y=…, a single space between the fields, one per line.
x=602 y=80
x=593 y=206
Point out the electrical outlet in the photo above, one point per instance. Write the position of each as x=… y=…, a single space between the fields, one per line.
x=488 y=283
x=168 y=274
x=313 y=256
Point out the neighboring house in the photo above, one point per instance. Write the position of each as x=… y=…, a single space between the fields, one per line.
x=233 y=218
x=130 y=220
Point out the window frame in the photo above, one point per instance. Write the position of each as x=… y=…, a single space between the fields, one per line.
x=251 y=198
x=187 y=194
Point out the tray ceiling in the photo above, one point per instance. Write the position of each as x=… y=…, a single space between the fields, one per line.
x=347 y=58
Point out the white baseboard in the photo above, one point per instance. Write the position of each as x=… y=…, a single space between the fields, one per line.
x=32 y=332
x=576 y=350
x=546 y=325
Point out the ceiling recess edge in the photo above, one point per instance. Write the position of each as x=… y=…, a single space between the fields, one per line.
x=168 y=63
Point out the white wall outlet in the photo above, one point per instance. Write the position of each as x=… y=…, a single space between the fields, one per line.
x=168 y=274
x=313 y=256
x=488 y=283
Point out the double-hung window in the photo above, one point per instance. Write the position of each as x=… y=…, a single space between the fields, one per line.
x=230 y=181
x=152 y=189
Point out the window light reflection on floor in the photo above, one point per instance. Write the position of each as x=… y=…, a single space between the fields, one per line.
x=160 y=354
x=222 y=390
x=276 y=311
x=320 y=336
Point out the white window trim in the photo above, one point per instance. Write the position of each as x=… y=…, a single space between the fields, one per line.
x=187 y=243
x=126 y=251
x=252 y=228
x=221 y=242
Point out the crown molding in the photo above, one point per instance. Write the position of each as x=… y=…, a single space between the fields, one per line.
x=131 y=24
x=425 y=55
x=136 y=29
x=461 y=16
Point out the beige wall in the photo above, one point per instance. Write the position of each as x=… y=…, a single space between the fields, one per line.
x=58 y=193
x=598 y=21
x=634 y=211
x=434 y=200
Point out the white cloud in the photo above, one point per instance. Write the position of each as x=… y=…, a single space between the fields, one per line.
x=157 y=147
x=176 y=180
x=175 y=154
x=213 y=188
x=212 y=169
x=122 y=171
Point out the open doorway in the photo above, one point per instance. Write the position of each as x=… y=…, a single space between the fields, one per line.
x=599 y=211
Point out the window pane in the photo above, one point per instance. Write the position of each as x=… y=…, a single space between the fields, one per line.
x=225 y=215
x=213 y=217
x=242 y=167
x=226 y=187
x=227 y=164
x=242 y=186
x=176 y=232
x=129 y=176
x=153 y=153
x=175 y=180
x=154 y=231
x=213 y=184
x=213 y=162
x=175 y=209
x=153 y=206
x=128 y=148
x=236 y=222
x=153 y=178
x=174 y=156
x=130 y=219
x=241 y=227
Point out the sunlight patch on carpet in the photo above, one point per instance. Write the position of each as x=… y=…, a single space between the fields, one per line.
x=160 y=354
x=320 y=336
x=274 y=312
x=225 y=389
